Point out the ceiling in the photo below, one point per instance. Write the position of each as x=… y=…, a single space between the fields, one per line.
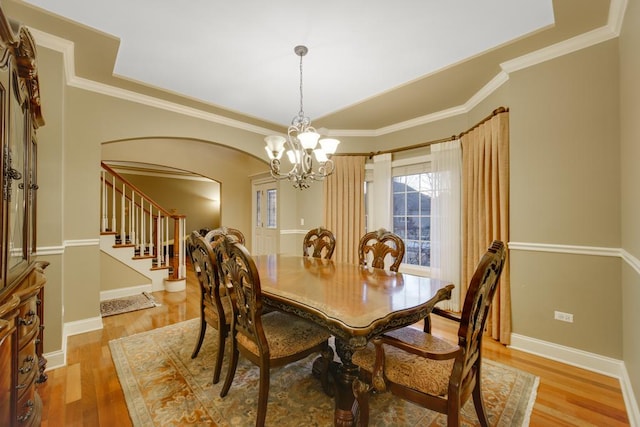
x=370 y=64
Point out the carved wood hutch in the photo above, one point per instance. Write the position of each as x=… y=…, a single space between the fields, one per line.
x=21 y=275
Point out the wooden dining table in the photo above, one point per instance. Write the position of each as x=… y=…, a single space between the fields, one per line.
x=355 y=303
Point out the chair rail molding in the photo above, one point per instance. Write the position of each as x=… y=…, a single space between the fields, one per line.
x=578 y=250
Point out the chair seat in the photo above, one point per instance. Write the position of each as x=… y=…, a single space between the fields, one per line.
x=286 y=334
x=413 y=371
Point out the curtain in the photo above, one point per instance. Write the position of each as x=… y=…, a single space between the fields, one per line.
x=381 y=215
x=485 y=210
x=446 y=168
x=344 y=206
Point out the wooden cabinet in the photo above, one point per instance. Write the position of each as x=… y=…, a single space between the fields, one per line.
x=22 y=276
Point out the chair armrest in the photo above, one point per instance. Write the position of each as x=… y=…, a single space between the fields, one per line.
x=433 y=354
x=446 y=314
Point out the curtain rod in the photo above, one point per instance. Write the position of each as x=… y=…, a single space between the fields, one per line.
x=436 y=141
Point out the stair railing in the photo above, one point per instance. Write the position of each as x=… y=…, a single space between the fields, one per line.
x=137 y=221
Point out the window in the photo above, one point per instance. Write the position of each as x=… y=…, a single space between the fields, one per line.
x=271 y=209
x=411 y=207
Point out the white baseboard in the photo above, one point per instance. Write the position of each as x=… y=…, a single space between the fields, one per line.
x=125 y=292
x=55 y=359
x=629 y=399
x=80 y=327
x=583 y=359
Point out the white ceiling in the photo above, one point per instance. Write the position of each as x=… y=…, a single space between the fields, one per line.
x=239 y=55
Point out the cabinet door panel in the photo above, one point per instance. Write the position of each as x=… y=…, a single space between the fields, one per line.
x=15 y=167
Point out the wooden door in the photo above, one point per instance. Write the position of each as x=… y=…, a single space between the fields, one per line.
x=265 y=214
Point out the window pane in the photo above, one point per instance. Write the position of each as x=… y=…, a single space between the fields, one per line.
x=425 y=253
x=413 y=182
x=412 y=254
x=413 y=203
x=413 y=228
x=425 y=204
x=399 y=226
x=271 y=209
x=425 y=228
x=412 y=215
x=399 y=207
x=258 y=208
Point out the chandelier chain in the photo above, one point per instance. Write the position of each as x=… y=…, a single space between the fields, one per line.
x=301 y=113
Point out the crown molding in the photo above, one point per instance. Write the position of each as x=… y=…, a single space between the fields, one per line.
x=611 y=30
x=67 y=49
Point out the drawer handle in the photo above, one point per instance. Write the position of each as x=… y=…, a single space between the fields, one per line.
x=27 y=365
x=24 y=417
x=31 y=316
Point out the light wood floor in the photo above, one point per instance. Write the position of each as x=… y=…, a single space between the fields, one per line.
x=87 y=392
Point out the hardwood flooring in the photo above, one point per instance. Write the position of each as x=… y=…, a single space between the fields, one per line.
x=87 y=392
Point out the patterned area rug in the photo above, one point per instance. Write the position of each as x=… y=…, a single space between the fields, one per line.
x=163 y=386
x=126 y=304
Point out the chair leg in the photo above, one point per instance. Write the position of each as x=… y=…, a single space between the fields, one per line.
x=478 y=402
x=203 y=329
x=361 y=393
x=222 y=339
x=231 y=372
x=321 y=369
x=263 y=396
x=453 y=410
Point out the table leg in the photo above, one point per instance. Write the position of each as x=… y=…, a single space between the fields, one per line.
x=344 y=374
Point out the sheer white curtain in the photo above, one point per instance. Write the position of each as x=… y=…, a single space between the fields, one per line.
x=446 y=166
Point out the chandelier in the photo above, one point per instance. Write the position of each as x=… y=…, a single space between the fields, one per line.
x=301 y=146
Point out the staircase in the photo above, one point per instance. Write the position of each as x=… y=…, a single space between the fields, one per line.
x=141 y=234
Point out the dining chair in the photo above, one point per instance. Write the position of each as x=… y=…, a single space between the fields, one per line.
x=211 y=235
x=319 y=243
x=215 y=309
x=267 y=340
x=428 y=370
x=376 y=247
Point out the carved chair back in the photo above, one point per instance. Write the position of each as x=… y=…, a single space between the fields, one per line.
x=477 y=302
x=378 y=246
x=239 y=270
x=319 y=243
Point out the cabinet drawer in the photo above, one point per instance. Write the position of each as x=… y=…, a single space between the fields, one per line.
x=27 y=367
x=27 y=321
x=27 y=409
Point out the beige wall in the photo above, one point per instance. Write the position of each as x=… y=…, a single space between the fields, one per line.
x=51 y=206
x=116 y=275
x=198 y=200
x=564 y=165
x=630 y=181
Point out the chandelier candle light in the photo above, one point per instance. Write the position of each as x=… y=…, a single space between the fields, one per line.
x=301 y=143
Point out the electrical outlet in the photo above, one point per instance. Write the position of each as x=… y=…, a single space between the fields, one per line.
x=301 y=221
x=565 y=317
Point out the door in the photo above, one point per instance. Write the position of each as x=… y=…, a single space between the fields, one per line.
x=265 y=214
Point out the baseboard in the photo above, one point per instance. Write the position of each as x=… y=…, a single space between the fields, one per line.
x=55 y=359
x=80 y=327
x=583 y=359
x=125 y=292
x=629 y=399
x=571 y=356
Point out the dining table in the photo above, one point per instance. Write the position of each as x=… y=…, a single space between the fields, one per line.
x=354 y=302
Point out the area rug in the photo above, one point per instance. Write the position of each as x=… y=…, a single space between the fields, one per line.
x=114 y=306
x=163 y=386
